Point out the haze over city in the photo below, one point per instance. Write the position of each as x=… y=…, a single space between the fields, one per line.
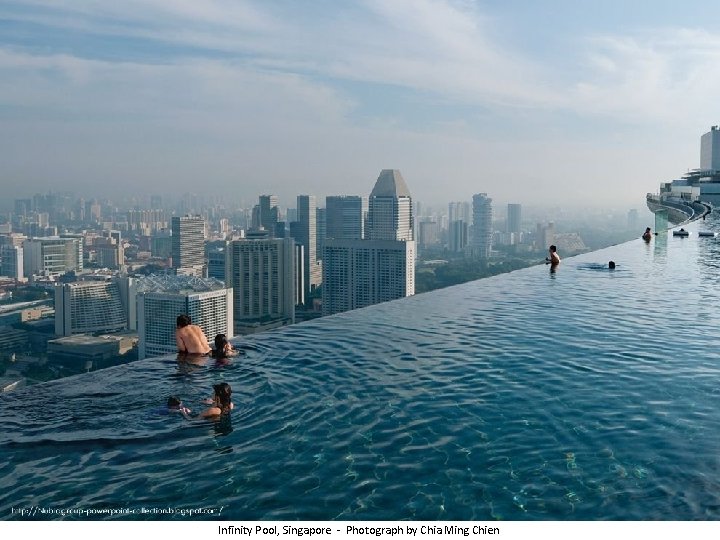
x=554 y=103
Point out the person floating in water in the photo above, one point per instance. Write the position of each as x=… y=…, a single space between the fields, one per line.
x=220 y=404
x=174 y=405
x=647 y=235
x=190 y=338
x=553 y=258
x=611 y=265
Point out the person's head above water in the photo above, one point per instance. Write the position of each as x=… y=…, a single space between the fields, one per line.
x=223 y=396
x=183 y=320
x=553 y=248
x=173 y=402
x=220 y=342
x=611 y=265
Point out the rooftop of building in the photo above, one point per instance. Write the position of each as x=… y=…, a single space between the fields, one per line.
x=177 y=284
x=390 y=183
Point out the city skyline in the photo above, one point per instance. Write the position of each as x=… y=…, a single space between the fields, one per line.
x=596 y=104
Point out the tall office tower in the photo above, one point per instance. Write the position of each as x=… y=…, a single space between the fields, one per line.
x=481 y=241
x=11 y=261
x=457 y=236
x=390 y=208
x=51 y=256
x=188 y=245
x=459 y=211
x=514 y=218
x=710 y=150
x=304 y=234
x=428 y=232
x=217 y=255
x=161 y=244
x=90 y=306
x=345 y=217
x=161 y=298
x=359 y=273
x=268 y=213
x=544 y=236
x=262 y=277
x=321 y=231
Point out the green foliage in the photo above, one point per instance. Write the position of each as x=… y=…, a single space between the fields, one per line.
x=464 y=270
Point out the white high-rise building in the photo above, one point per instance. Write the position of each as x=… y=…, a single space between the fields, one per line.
x=710 y=150
x=481 y=240
x=51 y=256
x=188 y=245
x=263 y=276
x=390 y=208
x=161 y=298
x=91 y=306
x=360 y=273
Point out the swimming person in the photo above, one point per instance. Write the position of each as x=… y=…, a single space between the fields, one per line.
x=611 y=265
x=175 y=405
x=223 y=348
x=647 y=235
x=190 y=338
x=221 y=402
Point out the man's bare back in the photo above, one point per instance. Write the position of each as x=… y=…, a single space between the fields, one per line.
x=191 y=339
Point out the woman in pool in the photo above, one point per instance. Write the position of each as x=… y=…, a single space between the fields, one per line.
x=220 y=404
x=223 y=348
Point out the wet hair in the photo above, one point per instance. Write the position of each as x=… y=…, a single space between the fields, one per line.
x=173 y=402
x=611 y=265
x=223 y=397
x=183 y=320
x=220 y=343
x=553 y=248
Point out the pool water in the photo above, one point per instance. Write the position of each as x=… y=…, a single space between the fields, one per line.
x=576 y=395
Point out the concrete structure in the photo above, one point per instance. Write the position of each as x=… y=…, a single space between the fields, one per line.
x=457 y=236
x=161 y=298
x=360 y=273
x=320 y=232
x=481 y=238
x=710 y=150
x=92 y=306
x=390 y=209
x=51 y=256
x=188 y=245
x=460 y=211
x=268 y=213
x=263 y=276
x=83 y=352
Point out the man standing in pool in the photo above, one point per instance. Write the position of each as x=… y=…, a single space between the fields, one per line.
x=553 y=258
x=190 y=338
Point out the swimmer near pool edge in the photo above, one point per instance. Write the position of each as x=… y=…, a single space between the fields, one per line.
x=396 y=530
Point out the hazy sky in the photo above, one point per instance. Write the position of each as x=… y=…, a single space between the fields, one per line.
x=559 y=102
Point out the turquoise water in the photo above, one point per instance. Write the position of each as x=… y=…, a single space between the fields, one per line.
x=583 y=394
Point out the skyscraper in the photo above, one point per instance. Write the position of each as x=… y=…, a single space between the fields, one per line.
x=390 y=209
x=359 y=273
x=481 y=241
x=710 y=150
x=305 y=235
x=51 y=256
x=345 y=217
x=188 y=245
x=514 y=218
x=263 y=277
x=268 y=213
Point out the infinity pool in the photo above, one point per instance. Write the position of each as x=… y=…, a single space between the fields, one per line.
x=576 y=395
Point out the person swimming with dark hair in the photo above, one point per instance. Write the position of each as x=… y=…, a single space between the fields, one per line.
x=223 y=348
x=647 y=235
x=220 y=404
x=611 y=265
